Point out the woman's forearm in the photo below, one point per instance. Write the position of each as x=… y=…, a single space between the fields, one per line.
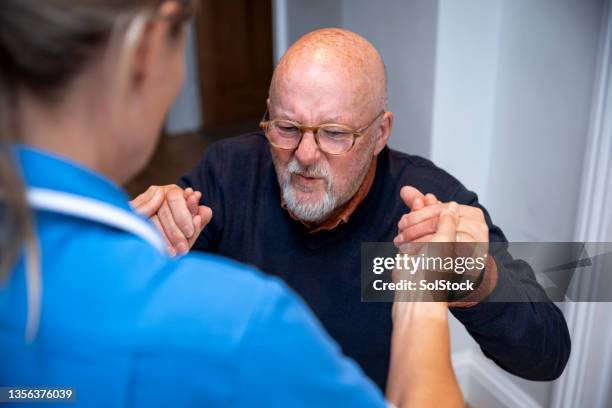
x=421 y=374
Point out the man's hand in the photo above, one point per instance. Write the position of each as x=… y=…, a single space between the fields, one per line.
x=421 y=223
x=175 y=213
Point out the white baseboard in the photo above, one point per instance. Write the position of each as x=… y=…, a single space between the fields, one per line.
x=484 y=386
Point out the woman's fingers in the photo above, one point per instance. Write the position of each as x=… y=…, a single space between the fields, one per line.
x=157 y=223
x=447 y=224
x=148 y=203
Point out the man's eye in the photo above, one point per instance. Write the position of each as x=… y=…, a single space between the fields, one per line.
x=287 y=128
x=335 y=133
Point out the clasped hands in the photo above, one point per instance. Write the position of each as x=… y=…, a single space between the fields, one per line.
x=421 y=223
x=432 y=221
x=176 y=213
x=180 y=218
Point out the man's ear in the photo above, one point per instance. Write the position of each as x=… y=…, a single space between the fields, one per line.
x=384 y=132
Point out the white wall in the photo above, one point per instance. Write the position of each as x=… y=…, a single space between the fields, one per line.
x=513 y=96
x=409 y=59
x=587 y=380
x=465 y=89
x=545 y=87
x=294 y=18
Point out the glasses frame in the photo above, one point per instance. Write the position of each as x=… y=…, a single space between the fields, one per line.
x=265 y=123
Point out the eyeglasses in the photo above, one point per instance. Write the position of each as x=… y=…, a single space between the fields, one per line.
x=331 y=138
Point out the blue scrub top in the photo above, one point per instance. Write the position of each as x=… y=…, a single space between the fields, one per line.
x=125 y=325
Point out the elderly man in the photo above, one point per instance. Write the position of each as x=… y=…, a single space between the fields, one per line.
x=298 y=199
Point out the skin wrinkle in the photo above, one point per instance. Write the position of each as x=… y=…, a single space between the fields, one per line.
x=328 y=76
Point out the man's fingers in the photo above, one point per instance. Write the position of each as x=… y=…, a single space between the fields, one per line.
x=447 y=224
x=149 y=202
x=472 y=231
x=413 y=198
x=425 y=238
x=197 y=223
x=423 y=223
x=430 y=199
x=192 y=200
x=416 y=231
x=416 y=217
x=172 y=231
x=192 y=205
x=206 y=214
x=181 y=214
x=467 y=211
x=170 y=248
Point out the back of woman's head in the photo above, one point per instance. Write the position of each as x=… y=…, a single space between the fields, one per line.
x=43 y=46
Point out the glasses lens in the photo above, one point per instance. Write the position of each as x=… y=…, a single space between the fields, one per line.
x=284 y=134
x=335 y=139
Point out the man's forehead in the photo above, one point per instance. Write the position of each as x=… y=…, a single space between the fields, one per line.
x=302 y=109
x=320 y=76
x=317 y=117
x=319 y=97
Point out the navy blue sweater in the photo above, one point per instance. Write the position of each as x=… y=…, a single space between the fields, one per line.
x=238 y=181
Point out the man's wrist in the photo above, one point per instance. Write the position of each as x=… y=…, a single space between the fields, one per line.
x=483 y=290
x=458 y=295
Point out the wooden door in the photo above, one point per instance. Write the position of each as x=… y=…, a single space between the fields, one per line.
x=235 y=59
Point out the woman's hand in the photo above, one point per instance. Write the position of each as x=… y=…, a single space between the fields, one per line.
x=420 y=373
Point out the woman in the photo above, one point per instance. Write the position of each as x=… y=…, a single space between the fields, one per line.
x=85 y=85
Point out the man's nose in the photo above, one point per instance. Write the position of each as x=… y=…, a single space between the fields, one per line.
x=307 y=151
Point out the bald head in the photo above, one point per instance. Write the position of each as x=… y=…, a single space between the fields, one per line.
x=331 y=77
x=337 y=59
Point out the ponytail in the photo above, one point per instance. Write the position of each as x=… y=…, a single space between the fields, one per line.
x=15 y=223
x=16 y=228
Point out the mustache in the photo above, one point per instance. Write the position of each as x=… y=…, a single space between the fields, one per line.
x=316 y=171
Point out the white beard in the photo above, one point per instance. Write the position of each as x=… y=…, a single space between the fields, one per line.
x=321 y=210
x=305 y=211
